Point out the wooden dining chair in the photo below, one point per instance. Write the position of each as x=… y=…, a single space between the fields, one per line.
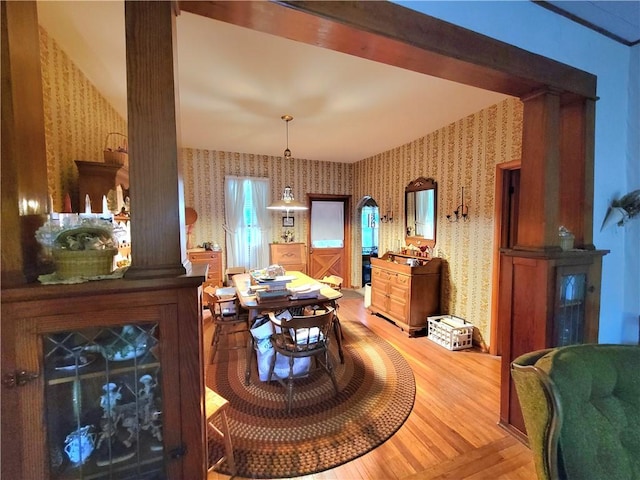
x=218 y=426
x=302 y=336
x=229 y=319
x=333 y=281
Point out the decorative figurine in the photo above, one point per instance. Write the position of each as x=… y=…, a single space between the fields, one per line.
x=109 y=400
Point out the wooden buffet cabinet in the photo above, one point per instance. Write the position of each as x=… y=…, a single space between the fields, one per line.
x=292 y=256
x=212 y=258
x=405 y=294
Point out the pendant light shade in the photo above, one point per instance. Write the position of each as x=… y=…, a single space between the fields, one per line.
x=287 y=203
x=287 y=152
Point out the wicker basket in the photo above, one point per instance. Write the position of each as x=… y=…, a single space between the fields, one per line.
x=83 y=263
x=119 y=155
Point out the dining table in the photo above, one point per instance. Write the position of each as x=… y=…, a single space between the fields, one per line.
x=299 y=285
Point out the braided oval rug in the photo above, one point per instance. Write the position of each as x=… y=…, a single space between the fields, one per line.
x=324 y=429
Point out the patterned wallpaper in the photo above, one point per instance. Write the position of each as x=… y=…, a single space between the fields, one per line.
x=77 y=120
x=204 y=172
x=462 y=154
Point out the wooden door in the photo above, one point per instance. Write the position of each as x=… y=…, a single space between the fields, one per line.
x=329 y=253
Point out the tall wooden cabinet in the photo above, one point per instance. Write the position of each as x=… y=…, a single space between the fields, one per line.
x=547 y=299
x=405 y=294
x=103 y=383
x=292 y=256
x=212 y=258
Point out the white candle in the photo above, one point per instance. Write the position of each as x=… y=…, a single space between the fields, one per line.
x=119 y=198
x=105 y=207
x=87 y=204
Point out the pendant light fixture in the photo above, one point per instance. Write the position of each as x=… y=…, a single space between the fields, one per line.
x=287 y=203
x=287 y=152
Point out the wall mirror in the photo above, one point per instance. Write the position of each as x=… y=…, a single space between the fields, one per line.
x=420 y=212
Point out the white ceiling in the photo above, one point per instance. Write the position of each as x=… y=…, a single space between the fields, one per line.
x=236 y=83
x=619 y=20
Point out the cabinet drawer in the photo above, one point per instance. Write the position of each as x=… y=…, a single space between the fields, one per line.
x=297 y=267
x=204 y=257
x=380 y=276
x=287 y=254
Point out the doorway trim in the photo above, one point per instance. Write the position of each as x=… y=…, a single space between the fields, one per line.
x=501 y=169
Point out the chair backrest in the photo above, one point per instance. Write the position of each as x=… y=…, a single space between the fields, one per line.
x=581 y=407
x=209 y=295
x=224 y=303
x=334 y=281
x=231 y=271
x=303 y=333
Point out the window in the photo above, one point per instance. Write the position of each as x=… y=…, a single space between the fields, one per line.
x=327 y=224
x=248 y=222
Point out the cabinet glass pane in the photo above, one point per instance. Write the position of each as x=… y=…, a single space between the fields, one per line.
x=571 y=310
x=104 y=403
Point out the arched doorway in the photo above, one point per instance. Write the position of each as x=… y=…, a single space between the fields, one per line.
x=368 y=213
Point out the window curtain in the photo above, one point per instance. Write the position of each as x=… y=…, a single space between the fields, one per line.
x=260 y=193
x=247 y=221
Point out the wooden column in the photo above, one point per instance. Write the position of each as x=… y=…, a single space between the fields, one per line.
x=539 y=182
x=577 y=124
x=556 y=189
x=157 y=205
x=24 y=163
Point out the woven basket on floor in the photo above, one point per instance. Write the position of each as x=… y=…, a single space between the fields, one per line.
x=83 y=263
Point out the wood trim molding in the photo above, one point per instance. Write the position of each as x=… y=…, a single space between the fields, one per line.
x=395 y=35
x=494 y=338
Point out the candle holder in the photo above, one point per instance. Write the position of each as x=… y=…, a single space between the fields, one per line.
x=461 y=212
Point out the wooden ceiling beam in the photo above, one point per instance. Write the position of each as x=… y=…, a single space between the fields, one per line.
x=397 y=36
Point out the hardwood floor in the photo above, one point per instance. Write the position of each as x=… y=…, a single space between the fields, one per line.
x=452 y=432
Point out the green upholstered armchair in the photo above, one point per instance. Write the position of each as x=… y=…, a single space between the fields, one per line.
x=581 y=408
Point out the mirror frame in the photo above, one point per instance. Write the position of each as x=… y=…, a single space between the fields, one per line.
x=419 y=185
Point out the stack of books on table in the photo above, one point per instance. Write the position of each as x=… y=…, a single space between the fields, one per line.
x=304 y=292
x=275 y=289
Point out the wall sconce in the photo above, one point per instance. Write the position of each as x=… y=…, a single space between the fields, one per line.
x=461 y=212
x=388 y=217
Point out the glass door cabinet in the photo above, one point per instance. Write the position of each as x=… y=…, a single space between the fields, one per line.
x=100 y=387
x=547 y=299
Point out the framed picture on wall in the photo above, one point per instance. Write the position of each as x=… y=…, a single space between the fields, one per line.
x=287 y=221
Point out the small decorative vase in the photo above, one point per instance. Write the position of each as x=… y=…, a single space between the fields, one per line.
x=79 y=444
